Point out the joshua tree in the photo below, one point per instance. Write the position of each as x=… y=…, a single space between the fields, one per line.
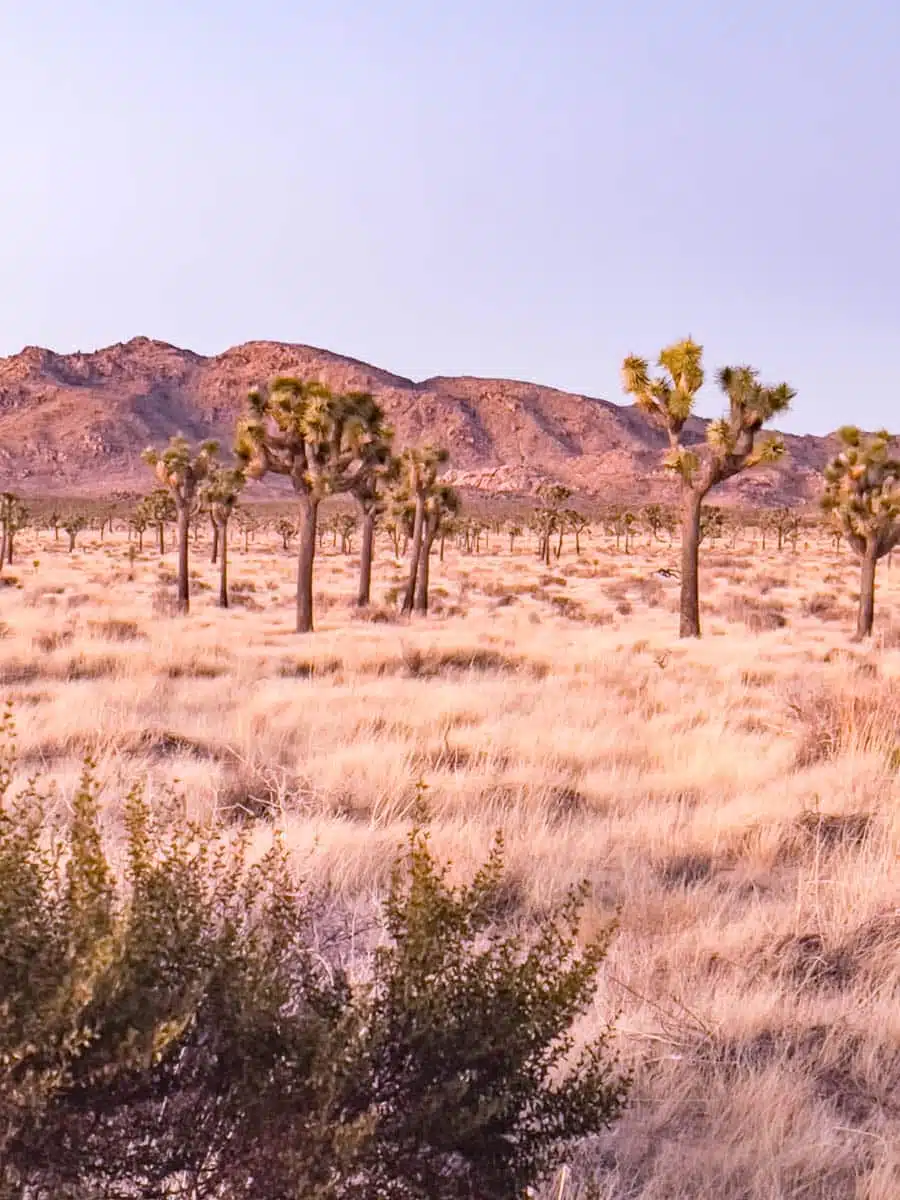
x=441 y=504
x=159 y=510
x=182 y=470
x=514 y=529
x=862 y=492
x=138 y=522
x=667 y=399
x=286 y=529
x=577 y=524
x=13 y=516
x=377 y=469
x=418 y=474
x=549 y=517
x=220 y=493
x=393 y=528
x=248 y=526
x=622 y=524
x=783 y=522
x=346 y=525
x=54 y=522
x=73 y=525
x=302 y=430
x=712 y=523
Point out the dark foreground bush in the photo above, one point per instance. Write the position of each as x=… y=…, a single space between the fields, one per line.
x=170 y=1025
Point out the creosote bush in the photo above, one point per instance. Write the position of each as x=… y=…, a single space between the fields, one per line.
x=172 y=1023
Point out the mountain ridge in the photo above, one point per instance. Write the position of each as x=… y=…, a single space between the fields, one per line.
x=77 y=423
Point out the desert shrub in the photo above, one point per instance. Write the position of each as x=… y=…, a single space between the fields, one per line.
x=49 y=640
x=164 y=602
x=116 y=629
x=173 y=1023
x=758 y=615
x=835 y=720
x=825 y=607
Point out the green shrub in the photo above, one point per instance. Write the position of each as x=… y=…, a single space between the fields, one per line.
x=171 y=1023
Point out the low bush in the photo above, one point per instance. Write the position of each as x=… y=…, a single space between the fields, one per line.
x=172 y=1023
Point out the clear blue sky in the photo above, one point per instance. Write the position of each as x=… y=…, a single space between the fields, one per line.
x=495 y=187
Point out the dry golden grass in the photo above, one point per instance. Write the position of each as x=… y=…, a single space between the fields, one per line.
x=735 y=800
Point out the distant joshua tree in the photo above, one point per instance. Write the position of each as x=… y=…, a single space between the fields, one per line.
x=549 y=516
x=73 y=524
x=220 y=493
x=13 y=517
x=668 y=399
x=137 y=523
x=286 y=530
x=318 y=440
x=159 y=510
x=862 y=493
x=419 y=483
x=441 y=504
x=182 y=470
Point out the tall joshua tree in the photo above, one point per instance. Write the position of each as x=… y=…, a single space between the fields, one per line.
x=862 y=492
x=441 y=504
x=667 y=399
x=418 y=474
x=376 y=470
x=302 y=430
x=220 y=494
x=182 y=469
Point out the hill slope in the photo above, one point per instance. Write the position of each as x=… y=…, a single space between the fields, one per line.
x=77 y=422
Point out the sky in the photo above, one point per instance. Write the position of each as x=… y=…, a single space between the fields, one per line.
x=522 y=188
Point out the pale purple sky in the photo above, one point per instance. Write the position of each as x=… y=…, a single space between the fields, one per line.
x=493 y=187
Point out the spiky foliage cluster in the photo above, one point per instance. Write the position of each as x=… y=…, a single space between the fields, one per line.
x=862 y=491
x=301 y=429
x=182 y=468
x=668 y=399
x=180 y=1028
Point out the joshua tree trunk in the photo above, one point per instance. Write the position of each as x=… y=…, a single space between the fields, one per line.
x=140 y=534
x=71 y=541
x=9 y=547
x=3 y=542
x=221 y=542
x=409 y=595
x=365 y=559
x=867 y=592
x=306 y=556
x=184 y=529
x=428 y=536
x=215 y=547
x=161 y=533
x=690 y=563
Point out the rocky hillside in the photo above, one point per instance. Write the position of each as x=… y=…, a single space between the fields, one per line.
x=76 y=423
